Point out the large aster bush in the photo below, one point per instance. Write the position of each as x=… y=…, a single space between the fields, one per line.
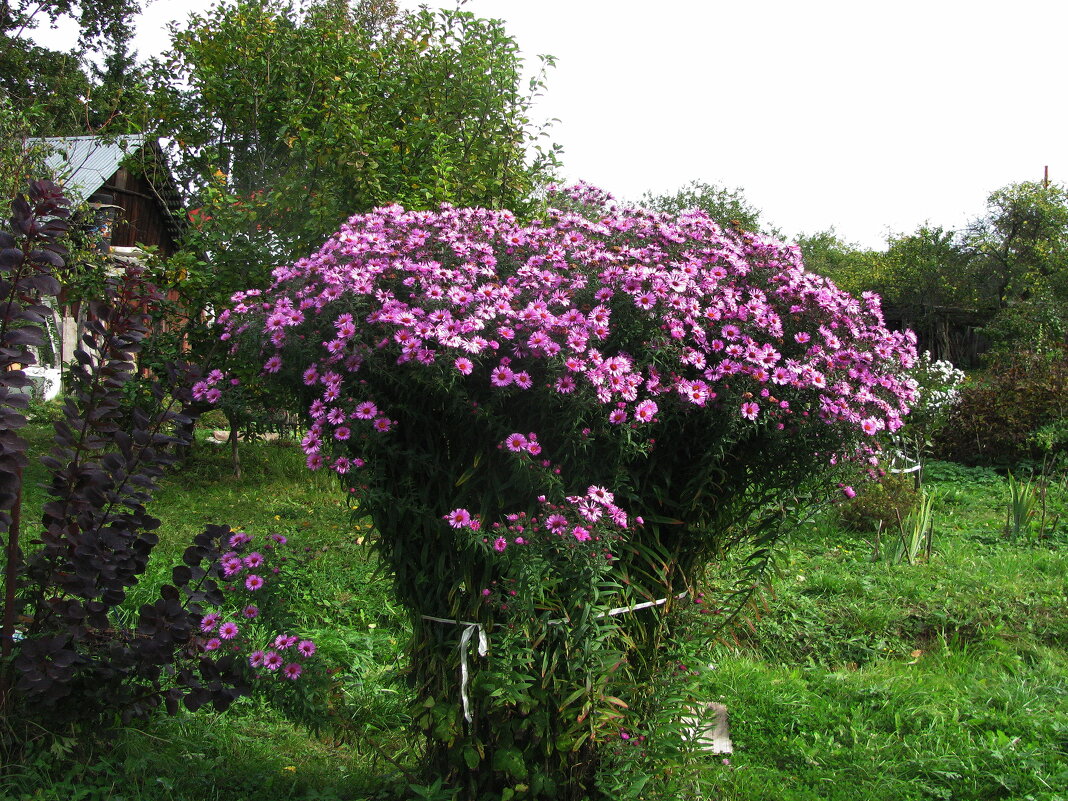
x=550 y=422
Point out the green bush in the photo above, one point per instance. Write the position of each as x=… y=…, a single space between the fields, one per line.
x=885 y=501
x=1001 y=410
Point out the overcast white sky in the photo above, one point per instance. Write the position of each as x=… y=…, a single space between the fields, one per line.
x=871 y=117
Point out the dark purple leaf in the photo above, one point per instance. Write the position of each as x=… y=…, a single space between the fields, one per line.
x=11 y=258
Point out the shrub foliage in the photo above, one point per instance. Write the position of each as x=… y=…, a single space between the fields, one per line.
x=552 y=422
x=1002 y=412
x=69 y=657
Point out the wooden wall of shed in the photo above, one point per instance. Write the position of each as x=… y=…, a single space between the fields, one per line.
x=951 y=334
x=143 y=219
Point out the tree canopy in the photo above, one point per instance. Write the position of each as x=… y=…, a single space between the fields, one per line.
x=92 y=88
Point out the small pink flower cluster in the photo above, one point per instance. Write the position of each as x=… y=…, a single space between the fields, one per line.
x=207 y=390
x=590 y=518
x=220 y=630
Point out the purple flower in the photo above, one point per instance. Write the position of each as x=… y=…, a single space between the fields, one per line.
x=458 y=518
x=515 y=442
x=228 y=630
x=581 y=534
x=254 y=559
x=501 y=376
x=253 y=582
x=645 y=411
x=283 y=641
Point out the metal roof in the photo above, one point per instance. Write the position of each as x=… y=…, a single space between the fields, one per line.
x=84 y=163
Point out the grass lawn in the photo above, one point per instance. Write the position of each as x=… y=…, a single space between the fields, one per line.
x=850 y=678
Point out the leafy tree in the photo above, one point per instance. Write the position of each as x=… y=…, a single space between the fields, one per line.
x=1019 y=250
x=63 y=92
x=343 y=107
x=1021 y=244
x=289 y=119
x=728 y=207
x=853 y=269
x=18 y=158
x=930 y=268
x=97 y=20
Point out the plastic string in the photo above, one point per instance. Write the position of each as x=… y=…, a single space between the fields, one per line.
x=471 y=627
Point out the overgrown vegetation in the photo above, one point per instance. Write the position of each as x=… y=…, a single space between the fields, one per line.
x=850 y=678
x=911 y=646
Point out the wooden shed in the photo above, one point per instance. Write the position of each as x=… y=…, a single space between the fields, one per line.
x=126 y=180
x=128 y=198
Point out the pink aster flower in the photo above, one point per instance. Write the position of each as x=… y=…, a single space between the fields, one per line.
x=464 y=365
x=342 y=433
x=209 y=622
x=556 y=523
x=256 y=658
x=581 y=534
x=212 y=644
x=228 y=630
x=565 y=385
x=213 y=395
x=272 y=660
x=365 y=411
x=500 y=544
x=254 y=559
x=251 y=611
x=458 y=518
x=383 y=424
x=273 y=364
x=849 y=492
x=253 y=582
x=306 y=648
x=600 y=495
x=750 y=410
x=283 y=641
x=617 y=416
x=645 y=411
x=523 y=380
x=501 y=376
x=515 y=442
x=292 y=671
